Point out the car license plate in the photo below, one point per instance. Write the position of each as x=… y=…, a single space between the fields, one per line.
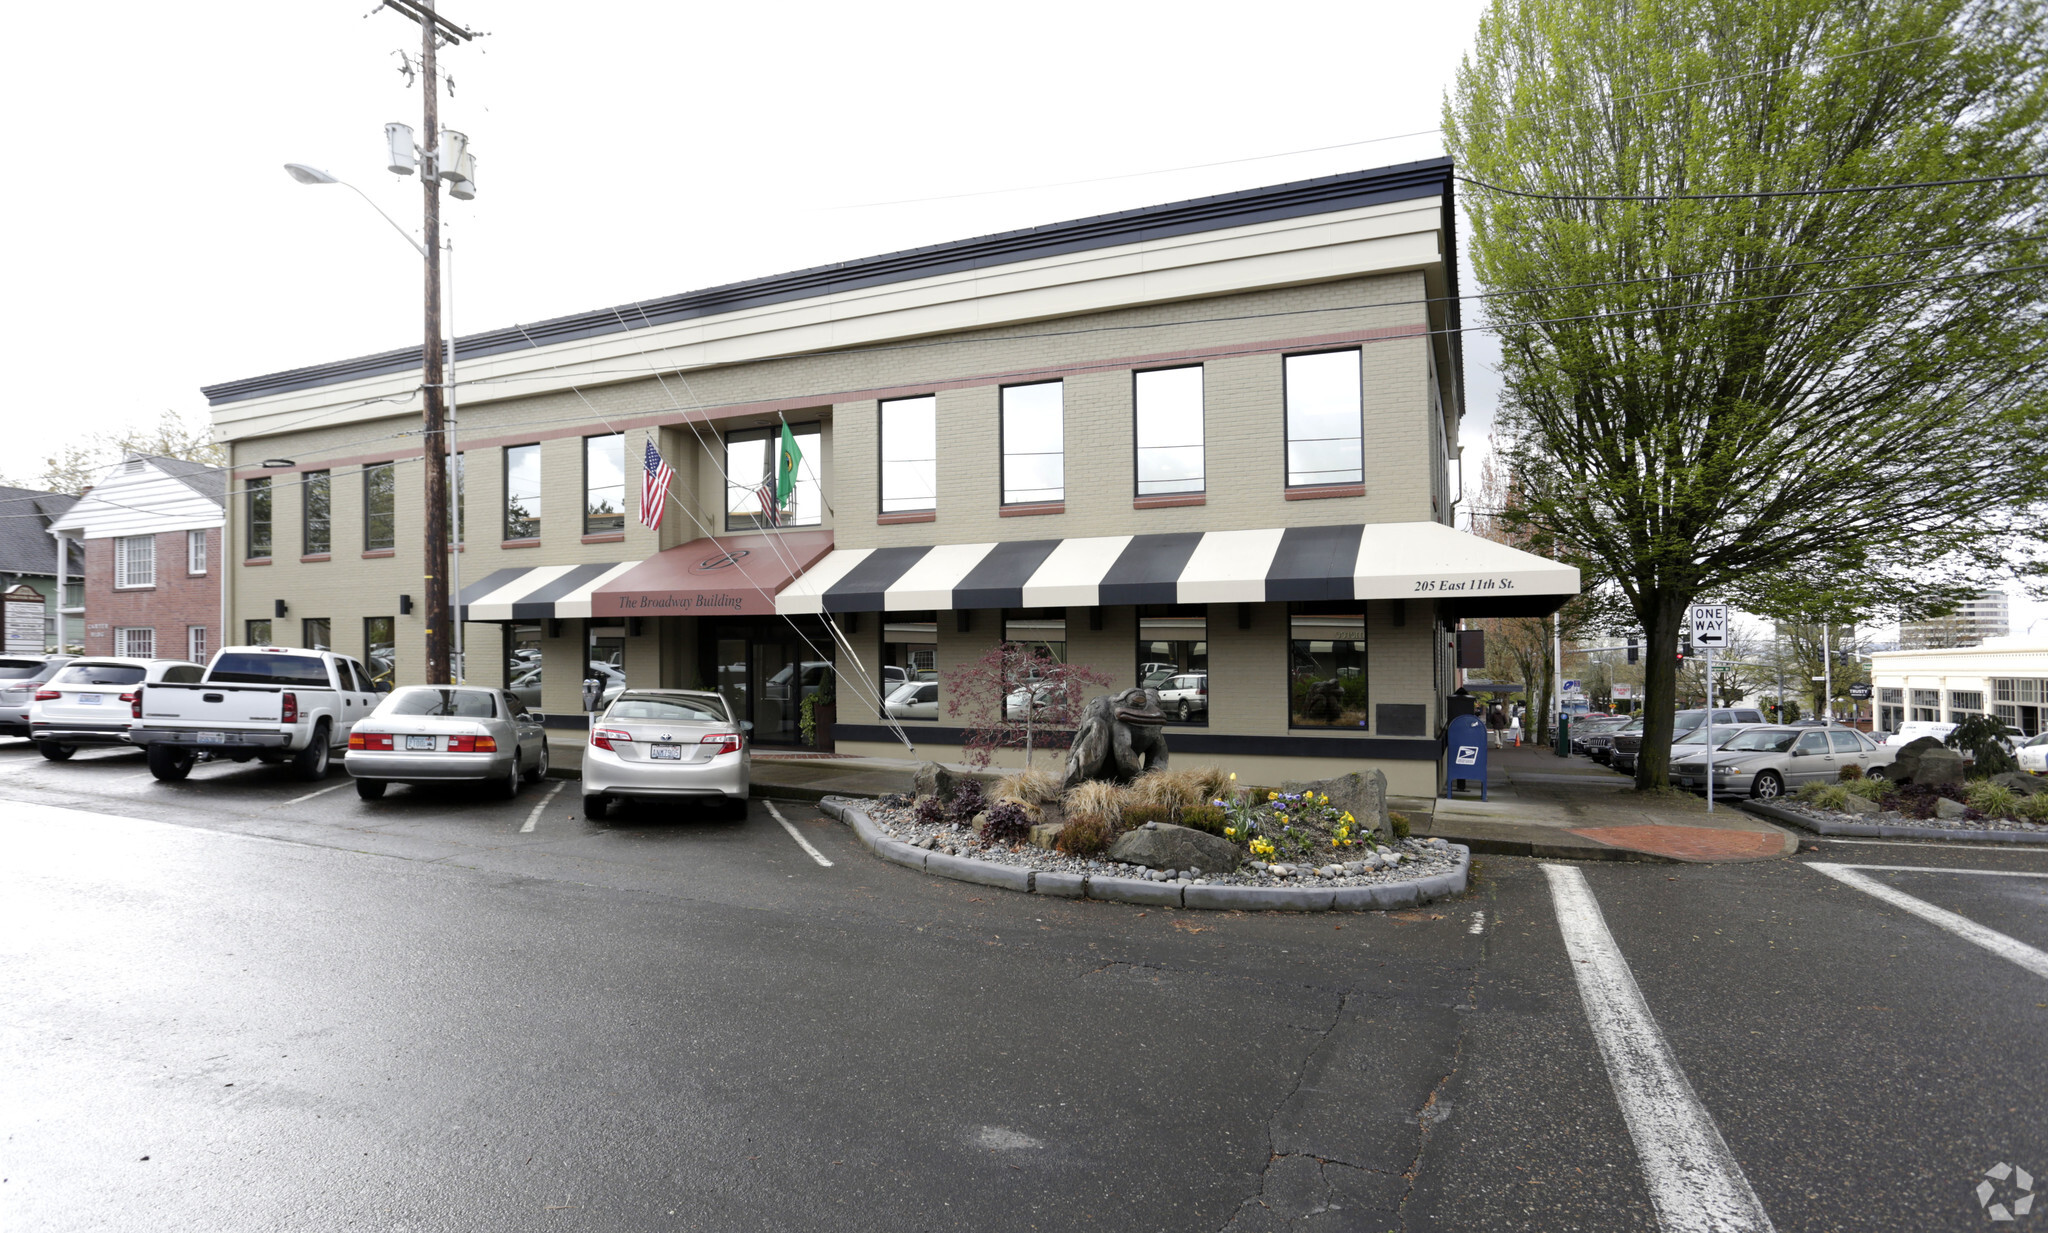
x=211 y=738
x=665 y=753
x=1685 y=783
x=419 y=742
x=91 y=699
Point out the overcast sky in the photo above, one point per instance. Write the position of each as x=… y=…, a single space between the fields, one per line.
x=625 y=151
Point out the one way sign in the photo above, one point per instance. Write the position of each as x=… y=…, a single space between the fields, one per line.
x=1710 y=625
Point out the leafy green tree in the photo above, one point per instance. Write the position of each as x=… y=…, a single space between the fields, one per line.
x=1729 y=396
x=80 y=463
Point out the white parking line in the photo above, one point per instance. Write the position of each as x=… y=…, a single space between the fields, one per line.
x=2008 y=948
x=1987 y=873
x=1478 y=922
x=2017 y=849
x=801 y=842
x=1693 y=1179
x=333 y=787
x=533 y=819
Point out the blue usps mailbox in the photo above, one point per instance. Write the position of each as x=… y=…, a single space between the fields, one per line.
x=1465 y=753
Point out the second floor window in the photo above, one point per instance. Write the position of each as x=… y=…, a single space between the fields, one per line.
x=752 y=464
x=380 y=507
x=257 y=494
x=195 y=552
x=910 y=454
x=1168 y=415
x=522 y=492
x=1325 y=419
x=604 y=484
x=1034 y=443
x=135 y=561
x=319 y=498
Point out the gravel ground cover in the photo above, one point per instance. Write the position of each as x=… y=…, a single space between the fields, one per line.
x=1407 y=860
x=1971 y=821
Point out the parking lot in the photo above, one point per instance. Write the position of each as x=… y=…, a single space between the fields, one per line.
x=247 y=1002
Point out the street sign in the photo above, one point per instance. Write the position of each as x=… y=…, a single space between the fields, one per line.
x=1710 y=625
x=1571 y=687
x=1859 y=692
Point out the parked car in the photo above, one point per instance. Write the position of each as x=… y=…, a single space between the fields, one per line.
x=21 y=676
x=914 y=700
x=271 y=703
x=1584 y=732
x=1767 y=762
x=1692 y=742
x=438 y=733
x=1629 y=741
x=1913 y=730
x=667 y=744
x=1185 y=696
x=1040 y=698
x=92 y=701
x=2033 y=755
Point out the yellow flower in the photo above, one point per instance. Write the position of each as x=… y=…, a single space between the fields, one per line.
x=1230 y=830
x=1272 y=796
x=1233 y=776
x=1349 y=818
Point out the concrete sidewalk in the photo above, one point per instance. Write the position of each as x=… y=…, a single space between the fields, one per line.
x=1539 y=804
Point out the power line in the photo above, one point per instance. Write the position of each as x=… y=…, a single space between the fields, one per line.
x=1745 y=196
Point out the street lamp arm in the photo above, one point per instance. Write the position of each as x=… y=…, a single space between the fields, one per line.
x=417 y=247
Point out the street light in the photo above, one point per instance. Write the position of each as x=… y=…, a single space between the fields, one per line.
x=313 y=175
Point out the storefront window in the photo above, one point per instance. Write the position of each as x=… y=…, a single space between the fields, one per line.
x=1326 y=670
x=604 y=676
x=1963 y=703
x=1173 y=658
x=380 y=649
x=523 y=664
x=751 y=461
x=910 y=664
x=1927 y=706
x=1042 y=632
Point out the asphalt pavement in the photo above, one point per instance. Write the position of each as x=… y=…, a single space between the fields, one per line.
x=432 y=1011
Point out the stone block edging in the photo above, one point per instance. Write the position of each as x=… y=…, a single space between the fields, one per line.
x=1304 y=898
x=1872 y=830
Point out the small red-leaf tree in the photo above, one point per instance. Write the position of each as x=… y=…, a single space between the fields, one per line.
x=1018 y=697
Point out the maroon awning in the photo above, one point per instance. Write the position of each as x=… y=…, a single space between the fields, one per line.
x=730 y=575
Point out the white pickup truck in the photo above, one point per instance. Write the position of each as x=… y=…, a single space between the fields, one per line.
x=270 y=703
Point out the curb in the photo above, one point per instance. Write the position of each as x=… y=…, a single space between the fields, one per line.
x=1589 y=851
x=1151 y=894
x=1870 y=830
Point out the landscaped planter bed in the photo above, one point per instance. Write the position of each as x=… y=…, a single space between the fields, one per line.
x=1412 y=871
x=1893 y=825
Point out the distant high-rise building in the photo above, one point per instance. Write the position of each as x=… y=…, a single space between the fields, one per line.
x=1987 y=616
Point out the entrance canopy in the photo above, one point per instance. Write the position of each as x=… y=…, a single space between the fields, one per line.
x=730 y=575
x=1401 y=560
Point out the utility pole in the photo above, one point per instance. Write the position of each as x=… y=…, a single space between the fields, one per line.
x=439 y=616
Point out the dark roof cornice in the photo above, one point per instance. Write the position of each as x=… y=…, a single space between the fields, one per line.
x=1328 y=194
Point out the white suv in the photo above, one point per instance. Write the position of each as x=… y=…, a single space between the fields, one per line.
x=93 y=701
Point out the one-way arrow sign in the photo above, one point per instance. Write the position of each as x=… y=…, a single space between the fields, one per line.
x=1710 y=625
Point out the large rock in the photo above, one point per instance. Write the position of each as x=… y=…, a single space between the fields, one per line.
x=1363 y=795
x=931 y=779
x=1904 y=767
x=1949 y=810
x=2021 y=783
x=1940 y=766
x=1046 y=834
x=1167 y=846
x=1857 y=804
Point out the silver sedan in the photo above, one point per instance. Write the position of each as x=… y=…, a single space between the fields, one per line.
x=681 y=745
x=1767 y=762
x=446 y=733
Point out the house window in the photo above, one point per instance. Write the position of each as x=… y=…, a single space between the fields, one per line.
x=1034 y=443
x=910 y=454
x=319 y=499
x=1927 y=706
x=319 y=633
x=380 y=507
x=1325 y=419
x=195 y=643
x=380 y=649
x=195 y=552
x=1173 y=658
x=135 y=561
x=752 y=459
x=136 y=642
x=604 y=484
x=522 y=492
x=256 y=493
x=258 y=633
x=1168 y=416
x=1326 y=669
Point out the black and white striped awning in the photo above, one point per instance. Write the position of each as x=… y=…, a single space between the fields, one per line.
x=1404 y=560
x=536 y=592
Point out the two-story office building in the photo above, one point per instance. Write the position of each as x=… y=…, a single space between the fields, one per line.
x=1210 y=439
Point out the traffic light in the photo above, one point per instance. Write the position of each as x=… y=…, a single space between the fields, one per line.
x=1684 y=648
x=1631 y=650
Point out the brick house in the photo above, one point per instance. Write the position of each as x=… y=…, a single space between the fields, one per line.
x=151 y=534
x=1206 y=440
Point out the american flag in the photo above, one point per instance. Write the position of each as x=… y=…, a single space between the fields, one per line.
x=770 y=514
x=654 y=489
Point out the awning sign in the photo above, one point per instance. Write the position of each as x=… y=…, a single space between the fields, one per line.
x=1710 y=625
x=24 y=620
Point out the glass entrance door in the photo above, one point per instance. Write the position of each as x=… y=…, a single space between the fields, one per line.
x=765 y=671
